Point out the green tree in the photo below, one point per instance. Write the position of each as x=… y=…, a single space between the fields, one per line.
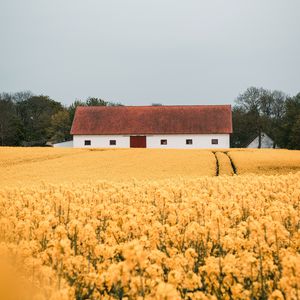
x=59 y=129
x=35 y=114
x=258 y=110
x=294 y=138
x=290 y=128
x=92 y=101
x=10 y=125
x=21 y=96
x=243 y=129
x=250 y=102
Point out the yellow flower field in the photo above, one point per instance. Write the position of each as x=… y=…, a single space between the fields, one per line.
x=265 y=161
x=29 y=166
x=140 y=224
x=89 y=165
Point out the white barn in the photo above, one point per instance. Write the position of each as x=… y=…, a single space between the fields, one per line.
x=185 y=126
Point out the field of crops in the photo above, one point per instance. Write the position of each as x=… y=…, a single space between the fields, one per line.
x=265 y=162
x=149 y=224
x=30 y=166
x=90 y=165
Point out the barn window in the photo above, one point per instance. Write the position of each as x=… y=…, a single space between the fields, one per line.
x=189 y=142
x=112 y=142
x=87 y=143
x=163 y=142
x=215 y=141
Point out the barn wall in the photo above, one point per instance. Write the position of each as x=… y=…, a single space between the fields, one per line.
x=153 y=141
x=179 y=141
x=101 y=141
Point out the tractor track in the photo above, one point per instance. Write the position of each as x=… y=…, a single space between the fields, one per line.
x=217 y=163
x=232 y=164
x=224 y=167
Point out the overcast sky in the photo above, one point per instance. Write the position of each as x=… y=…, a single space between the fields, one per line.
x=143 y=51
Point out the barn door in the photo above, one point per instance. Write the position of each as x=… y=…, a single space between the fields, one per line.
x=137 y=142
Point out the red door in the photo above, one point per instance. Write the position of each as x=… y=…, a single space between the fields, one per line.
x=137 y=142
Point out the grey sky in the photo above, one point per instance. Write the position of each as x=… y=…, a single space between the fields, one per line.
x=143 y=51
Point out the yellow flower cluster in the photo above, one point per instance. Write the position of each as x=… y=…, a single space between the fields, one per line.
x=207 y=238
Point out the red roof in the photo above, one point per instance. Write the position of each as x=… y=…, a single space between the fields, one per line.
x=189 y=119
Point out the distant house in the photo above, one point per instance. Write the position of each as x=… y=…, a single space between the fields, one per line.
x=186 y=126
x=266 y=142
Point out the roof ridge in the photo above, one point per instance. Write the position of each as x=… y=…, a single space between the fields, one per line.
x=157 y=106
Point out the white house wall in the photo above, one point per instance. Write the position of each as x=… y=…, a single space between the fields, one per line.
x=101 y=141
x=266 y=142
x=175 y=141
x=178 y=141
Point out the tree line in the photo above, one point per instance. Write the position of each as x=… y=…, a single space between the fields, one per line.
x=30 y=120
x=260 y=110
x=37 y=120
